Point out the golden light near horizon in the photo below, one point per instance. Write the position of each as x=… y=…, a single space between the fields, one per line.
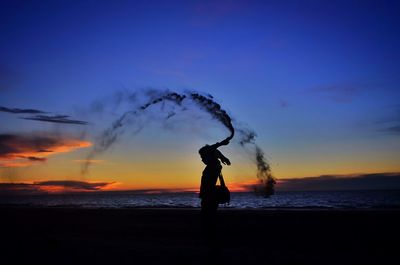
x=180 y=171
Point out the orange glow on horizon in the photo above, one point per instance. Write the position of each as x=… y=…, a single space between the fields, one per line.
x=64 y=146
x=29 y=154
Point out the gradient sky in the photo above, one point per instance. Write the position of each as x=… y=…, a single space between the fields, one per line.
x=317 y=80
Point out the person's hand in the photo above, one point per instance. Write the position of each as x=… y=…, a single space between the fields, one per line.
x=225 y=161
x=225 y=142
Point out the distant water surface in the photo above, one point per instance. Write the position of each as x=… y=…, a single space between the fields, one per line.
x=322 y=199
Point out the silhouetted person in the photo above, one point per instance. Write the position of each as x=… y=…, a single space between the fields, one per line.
x=212 y=157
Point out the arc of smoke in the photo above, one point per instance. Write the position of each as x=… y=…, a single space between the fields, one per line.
x=205 y=103
x=110 y=135
x=247 y=136
x=215 y=110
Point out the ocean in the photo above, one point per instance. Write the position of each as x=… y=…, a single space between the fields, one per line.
x=299 y=200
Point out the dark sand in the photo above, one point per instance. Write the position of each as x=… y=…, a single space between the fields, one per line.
x=168 y=236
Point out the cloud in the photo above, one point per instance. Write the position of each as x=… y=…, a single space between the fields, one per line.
x=20 y=111
x=19 y=150
x=376 y=181
x=75 y=185
x=394 y=129
x=34 y=158
x=17 y=188
x=391 y=123
x=40 y=117
x=52 y=186
x=55 y=119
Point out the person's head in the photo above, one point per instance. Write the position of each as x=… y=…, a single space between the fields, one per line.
x=208 y=154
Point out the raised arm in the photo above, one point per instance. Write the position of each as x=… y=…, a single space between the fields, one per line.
x=218 y=144
x=223 y=159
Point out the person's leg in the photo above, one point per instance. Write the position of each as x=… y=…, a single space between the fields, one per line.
x=208 y=212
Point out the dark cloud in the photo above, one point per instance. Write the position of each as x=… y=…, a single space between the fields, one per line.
x=56 y=119
x=394 y=129
x=378 y=181
x=391 y=123
x=34 y=158
x=78 y=185
x=20 y=111
x=51 y=187
x=17 y=150
x=18 y=188
x=40 y=117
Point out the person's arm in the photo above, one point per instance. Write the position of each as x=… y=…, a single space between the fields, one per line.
x=223 y=159
x=218 y=144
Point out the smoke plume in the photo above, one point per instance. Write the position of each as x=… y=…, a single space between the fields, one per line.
x=206 y=103
x=215 y=110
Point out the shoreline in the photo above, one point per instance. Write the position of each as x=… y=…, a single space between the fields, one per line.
x=77 y=207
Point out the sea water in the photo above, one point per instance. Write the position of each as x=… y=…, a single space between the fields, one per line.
x=309 y=199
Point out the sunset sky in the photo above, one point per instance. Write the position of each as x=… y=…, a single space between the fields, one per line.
x=319 y=81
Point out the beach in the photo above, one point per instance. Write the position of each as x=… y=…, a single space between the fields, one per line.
x=175 y=236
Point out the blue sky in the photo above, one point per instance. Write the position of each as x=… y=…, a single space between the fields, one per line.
x=318 y=80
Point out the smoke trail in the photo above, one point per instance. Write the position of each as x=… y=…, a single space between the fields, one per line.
x=215 y=110
x=111 y=134
x=264 y=174
x=205 y=103
x=267 y=181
